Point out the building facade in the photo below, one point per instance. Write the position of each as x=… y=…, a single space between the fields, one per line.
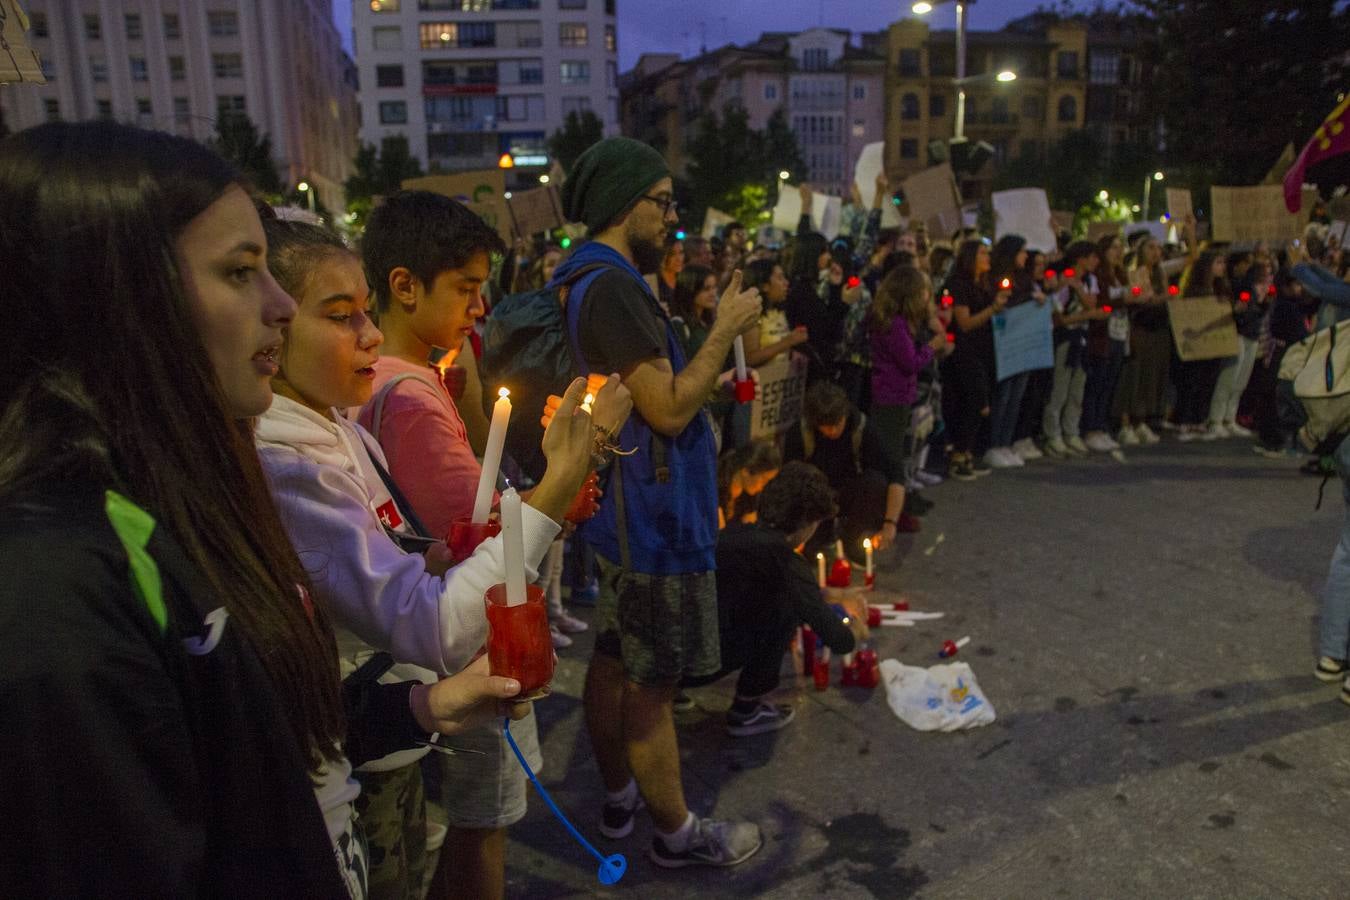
x=1020 y=118
x=178 y=65
x=469 y=80
x=830 y=91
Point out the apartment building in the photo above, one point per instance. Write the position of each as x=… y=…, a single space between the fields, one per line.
x=831 y=91
x=467 y=81
x=1022 y=117
x=178 y=65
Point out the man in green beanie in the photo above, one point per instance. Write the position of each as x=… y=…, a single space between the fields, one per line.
x=655 y=535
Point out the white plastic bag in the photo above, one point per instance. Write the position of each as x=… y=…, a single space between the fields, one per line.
x=943 y=698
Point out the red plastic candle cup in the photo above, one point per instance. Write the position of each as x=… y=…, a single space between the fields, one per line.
x=1068 y=273
x=841 y=574
x=902 y=605
x=808 y=650
x=1270 y=290
x=853 y=282
x=1050 y=274
x=1107 y=310
x=1173 y=290
x=586 y=503
x=519 y=644
x=1136 y=290
x=1244 y=297
x=873 y=616
x=820 y=673
x=850 y=674
x=870 y=581
x=745 y=390
x=948 y=649
x=870 y=677
x=465 y=536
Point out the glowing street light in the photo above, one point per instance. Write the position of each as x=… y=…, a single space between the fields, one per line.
x=1006 y=75
x=1158 y=176
x=543 y=179
x=922 y=9
x=1103 y=195
x=784 y=175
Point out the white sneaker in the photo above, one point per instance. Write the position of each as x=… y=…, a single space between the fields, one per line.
x=1146 y=434
x=1076 y=445
x=997 y=459
x=1186 y=435
x=1098 y=442
x=932 y=479
x=1026 y=448
x=1056 y=449
x=1237 y=431
x=1128 y=437
x=568 y=624
x=1215 y=432
x=1011 y=457
x=560 y=640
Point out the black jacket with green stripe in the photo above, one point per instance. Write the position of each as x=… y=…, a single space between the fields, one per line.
x=145 y=752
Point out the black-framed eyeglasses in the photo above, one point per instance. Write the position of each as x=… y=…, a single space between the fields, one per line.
x=667 y=204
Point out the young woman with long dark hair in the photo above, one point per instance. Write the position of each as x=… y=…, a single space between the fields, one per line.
x=969 y=371
x=1195 y=379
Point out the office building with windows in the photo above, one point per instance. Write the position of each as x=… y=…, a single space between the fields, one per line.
x=178 y=65
x=467 y=81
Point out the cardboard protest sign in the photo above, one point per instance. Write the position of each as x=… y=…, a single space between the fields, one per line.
x=934 y=199
x=1063 y=220
x=1025 y=212
x=1203 y=328
x=1098 y=230
x=825 y=211
x=1256 y=213
x=483 y=192
x=535 y=210
x=1179 y=204
x=18 y=61
x=1337 y=230
x=714 y=219
x=782 y=384
x=1023 y=339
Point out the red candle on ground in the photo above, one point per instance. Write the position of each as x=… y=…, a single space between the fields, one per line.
x=519 y=644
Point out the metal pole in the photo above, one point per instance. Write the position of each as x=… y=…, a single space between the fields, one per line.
x=960 y=69
x=310 y=194
x=1148 y=190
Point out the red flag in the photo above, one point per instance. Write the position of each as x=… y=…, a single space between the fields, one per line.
x=1332 y=138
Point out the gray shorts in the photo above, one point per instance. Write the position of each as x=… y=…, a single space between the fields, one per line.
x=663 y=628
x=487 y=789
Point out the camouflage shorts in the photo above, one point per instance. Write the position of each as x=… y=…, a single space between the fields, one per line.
x=393 y=817
x=663 y=628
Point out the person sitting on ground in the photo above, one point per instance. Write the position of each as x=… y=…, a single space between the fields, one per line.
x=765 y=590
x=741 y=476
x=837 y=438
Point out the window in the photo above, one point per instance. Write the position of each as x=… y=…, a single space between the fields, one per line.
x=770 y=92
x=180 y=107
x=860 y=92
x=909 y=106
x=909 y=63
x=572 y=34
x=48 y=70
x=611 y=39
x=999 y=114
x=229 y=104
x=909 y=149
x=143 y=107
x=457 y=145
x=435 y=35
x=385 y=6
x=133 y=26
x=1067 y=64
x=478 y=34
x=52 y=109
x=1032 y=108
x=389 y=37
x=531 y=71
x=529 y=35
x=172 y=29
x=576 y=105
x=438 y=73
x=815 y=59
x=93 y=30
x=1104 y=67
x=138 y=69
x=389 y=76
x=481 y=73
x=39 y=23
x=227 y=65
x=571 y=4
x=578 y=72
x=98 y=69
x=609 y=7
x=223 y=23
x=105 y=109
x=521 y=108
x=177 y=69
x=1068 y=109
x=937 y=106
x=612 y=74
x=393 y=112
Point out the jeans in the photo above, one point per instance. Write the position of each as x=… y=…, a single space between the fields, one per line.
x=1065 y=406
x=1232 y=382
x=1007 y=404
x=1335 y=623
x=1103 y=374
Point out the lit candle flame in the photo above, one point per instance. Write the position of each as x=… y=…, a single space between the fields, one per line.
x=503 y=393
x=586 y=404
x=867 y=543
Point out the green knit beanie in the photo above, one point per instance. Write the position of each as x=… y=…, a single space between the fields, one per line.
x=608 y=178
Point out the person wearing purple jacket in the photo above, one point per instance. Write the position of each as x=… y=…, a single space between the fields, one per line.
x=903 y=303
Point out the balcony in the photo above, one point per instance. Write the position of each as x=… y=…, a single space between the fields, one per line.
x=992 y=119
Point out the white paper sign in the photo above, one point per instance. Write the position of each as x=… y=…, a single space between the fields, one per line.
x=870 y=163
x=825 y=211
x=1024 y=212
x=1337 y=230
x=714 y=219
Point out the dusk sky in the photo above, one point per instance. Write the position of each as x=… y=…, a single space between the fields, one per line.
x=660 y=26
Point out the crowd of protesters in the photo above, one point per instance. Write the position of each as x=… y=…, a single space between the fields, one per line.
x=232 y=446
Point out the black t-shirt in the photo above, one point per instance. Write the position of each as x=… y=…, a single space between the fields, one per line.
x=979 y=342
x=620 y=324
x=837 y=459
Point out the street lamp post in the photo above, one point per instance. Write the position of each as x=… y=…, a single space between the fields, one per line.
x=1148 y=191
x=304 y=188
x=923 y=8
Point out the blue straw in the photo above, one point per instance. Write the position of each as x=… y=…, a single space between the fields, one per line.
x=612 y=868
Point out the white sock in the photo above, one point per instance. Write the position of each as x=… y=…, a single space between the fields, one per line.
x=677 y=841
x=626 y=797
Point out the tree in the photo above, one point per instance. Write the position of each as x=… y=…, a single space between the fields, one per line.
x=731 y=163
x=781 y=153
x=238 y=140
x=579 y=131
x=379 y=172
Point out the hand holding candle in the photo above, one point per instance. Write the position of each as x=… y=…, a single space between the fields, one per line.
x=869 y=577
x=519 y=644
x=820 y=569
x=492 y=456
x=744 y=387
x=513 y=548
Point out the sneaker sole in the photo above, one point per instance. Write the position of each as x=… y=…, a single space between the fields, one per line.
x=762 y=727
x=1345 y=696
x=1329 y=677
x=615 y=834
x=681 y=862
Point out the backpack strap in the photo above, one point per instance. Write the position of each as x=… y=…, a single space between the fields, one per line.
x=377 y=402
x=415 y=524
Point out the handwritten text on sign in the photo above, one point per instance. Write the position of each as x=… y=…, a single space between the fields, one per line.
x=1023 y=339
x=782 y=383
x=1203 y=328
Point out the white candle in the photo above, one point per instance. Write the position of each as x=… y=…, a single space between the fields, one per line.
x=867 y=551
x=492 y=456
x=586 y=404
x=820 y=569
x=738 y=346
x=839 y=549
x=513 y=548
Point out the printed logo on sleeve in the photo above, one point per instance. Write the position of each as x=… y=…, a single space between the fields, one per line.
x=388 y=514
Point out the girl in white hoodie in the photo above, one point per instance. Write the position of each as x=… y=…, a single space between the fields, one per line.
x=335 y=504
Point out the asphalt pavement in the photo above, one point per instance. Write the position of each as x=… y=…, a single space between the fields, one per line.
x=1145 y=631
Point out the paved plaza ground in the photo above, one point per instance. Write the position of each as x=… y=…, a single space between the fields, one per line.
x=1145 y=632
